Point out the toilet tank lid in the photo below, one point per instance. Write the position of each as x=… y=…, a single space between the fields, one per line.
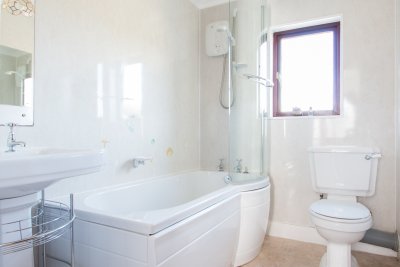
x=340 y=209
x=343 y=149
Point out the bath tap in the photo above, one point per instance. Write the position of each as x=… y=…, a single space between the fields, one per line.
x=11 y=142
x=246 y=170
x=221 y=165
x=238 y=167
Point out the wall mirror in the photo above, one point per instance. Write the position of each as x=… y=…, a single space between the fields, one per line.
x=17 y=29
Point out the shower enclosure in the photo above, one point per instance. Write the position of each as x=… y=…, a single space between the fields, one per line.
x=249 y=86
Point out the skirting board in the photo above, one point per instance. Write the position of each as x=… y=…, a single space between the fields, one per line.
x=310 y=235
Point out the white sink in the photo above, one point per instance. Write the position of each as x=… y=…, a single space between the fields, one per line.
x=27 y=171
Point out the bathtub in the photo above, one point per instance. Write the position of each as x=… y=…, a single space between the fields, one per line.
x=191 y=219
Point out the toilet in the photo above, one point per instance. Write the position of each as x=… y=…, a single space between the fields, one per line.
x=343 y=174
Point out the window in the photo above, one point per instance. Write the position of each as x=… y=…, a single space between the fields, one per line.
x=306 y=71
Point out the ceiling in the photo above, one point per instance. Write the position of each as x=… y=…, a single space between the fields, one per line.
x=208 y=3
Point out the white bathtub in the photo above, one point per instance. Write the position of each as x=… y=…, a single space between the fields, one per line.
x=192 y=219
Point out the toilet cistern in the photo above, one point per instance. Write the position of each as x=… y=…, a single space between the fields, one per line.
x=343 y=174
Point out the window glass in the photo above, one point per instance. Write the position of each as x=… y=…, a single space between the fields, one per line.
x=307 y=72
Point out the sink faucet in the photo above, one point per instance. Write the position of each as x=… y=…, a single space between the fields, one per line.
x=11 y=142
x=238 y=167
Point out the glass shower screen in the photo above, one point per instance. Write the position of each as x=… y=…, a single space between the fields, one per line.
x=248 y=138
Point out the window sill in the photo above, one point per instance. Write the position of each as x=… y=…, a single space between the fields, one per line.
x=306 y=117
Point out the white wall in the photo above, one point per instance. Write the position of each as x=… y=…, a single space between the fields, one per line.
x=82 y=51
x=368 y=109
x=17 y=31
x=214 y=141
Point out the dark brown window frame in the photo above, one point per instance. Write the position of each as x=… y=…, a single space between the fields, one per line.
x=277 y=37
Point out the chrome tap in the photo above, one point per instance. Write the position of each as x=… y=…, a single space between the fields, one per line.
x=246 y=170
x=238 y=167
x=221 y=165
x=11 y=142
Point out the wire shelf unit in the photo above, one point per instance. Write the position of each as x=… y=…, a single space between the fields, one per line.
x=49 y=221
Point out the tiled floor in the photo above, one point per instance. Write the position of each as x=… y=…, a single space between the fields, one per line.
x=279 y=252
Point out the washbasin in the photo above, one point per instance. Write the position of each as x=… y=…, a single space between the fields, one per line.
x=28 y=171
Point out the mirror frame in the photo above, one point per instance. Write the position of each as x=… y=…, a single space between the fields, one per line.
x=16 y=114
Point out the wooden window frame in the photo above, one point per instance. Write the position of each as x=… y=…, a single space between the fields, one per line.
x=277 y=37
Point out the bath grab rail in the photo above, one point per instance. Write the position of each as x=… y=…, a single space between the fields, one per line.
x=136 y=162
x=260 y=80
x=373 y=156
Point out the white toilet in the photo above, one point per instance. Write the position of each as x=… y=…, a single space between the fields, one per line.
x=343 y=173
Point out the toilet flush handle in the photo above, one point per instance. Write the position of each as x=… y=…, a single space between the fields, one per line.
x=373 y=156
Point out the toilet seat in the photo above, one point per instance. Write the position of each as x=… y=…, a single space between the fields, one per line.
x=340 y=210
x=336 y=220
x=358 y=216
x=340 y=225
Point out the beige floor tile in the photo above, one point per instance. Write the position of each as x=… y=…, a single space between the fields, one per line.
x=279 y=252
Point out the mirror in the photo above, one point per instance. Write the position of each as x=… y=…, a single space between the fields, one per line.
x=16 y=61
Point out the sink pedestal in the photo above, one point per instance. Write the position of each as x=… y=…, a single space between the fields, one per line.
x=23 y=174
x=15 y=224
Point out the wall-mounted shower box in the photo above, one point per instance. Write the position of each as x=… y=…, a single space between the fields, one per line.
x=217 y=42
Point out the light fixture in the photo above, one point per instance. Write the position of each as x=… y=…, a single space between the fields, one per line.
x=18 y=7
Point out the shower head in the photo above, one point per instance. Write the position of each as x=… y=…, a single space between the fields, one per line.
x=234 y=13
x=259 y=80
x=11 y=72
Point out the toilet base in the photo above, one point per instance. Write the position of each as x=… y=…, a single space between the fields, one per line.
x=323 y=263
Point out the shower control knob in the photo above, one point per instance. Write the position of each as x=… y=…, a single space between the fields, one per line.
x=228 y=179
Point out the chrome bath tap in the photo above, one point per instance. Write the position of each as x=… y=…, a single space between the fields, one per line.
x=238 y=167
x=221 y=165
x=11 y=142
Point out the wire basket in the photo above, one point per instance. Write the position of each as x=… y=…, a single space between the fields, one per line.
x=49 y=221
